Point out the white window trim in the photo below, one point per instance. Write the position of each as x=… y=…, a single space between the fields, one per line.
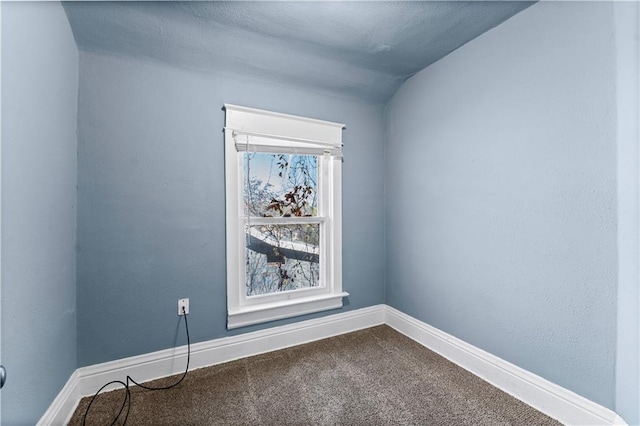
x=266 y=131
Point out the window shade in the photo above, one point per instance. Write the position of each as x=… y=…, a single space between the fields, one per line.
x=274 y=144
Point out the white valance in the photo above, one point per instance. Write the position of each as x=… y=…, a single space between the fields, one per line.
x=265 y=131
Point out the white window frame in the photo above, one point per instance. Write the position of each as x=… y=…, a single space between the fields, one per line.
x=264 y=131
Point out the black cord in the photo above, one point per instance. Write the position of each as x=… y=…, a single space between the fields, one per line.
x=127 y=397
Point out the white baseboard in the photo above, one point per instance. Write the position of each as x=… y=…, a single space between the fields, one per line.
x=549 y=398
x=62 y=408
x=86 y=381
x=555 y=401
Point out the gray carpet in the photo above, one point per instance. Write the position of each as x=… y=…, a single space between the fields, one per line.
x=371 y=377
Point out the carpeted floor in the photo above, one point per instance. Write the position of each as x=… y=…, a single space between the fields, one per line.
x=371 y=377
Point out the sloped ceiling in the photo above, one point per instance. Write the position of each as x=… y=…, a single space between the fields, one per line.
x=358 y=49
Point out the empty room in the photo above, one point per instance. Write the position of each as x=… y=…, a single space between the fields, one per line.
x=320 y=212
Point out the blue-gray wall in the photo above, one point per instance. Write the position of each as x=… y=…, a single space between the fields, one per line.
x=502 y=222
x=151 y=216
x=39 y=104
x=501 y=195
x=627 y=401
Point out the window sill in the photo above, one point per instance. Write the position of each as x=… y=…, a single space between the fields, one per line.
x=249 y=315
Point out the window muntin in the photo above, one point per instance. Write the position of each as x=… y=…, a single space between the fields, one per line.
x=283 y=179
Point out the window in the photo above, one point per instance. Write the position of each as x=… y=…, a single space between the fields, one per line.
x=283 y=206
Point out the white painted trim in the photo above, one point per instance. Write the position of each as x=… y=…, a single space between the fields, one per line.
x=549 y=398
x=241 y=309
x=86 y=381
x=553 y=400
x=265 y=312
x=247 y=120
x=62 y=408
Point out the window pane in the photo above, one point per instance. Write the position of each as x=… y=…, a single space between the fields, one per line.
x=280 y=185
x=282 y=257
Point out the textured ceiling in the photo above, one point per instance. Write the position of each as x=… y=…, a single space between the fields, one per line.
x=359 y=49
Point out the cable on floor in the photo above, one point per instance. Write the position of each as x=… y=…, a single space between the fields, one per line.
x=129 y=380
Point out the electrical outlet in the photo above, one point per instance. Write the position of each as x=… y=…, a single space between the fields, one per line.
x=183 y=303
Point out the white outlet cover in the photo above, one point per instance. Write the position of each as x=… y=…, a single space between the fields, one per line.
x=181 y=303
